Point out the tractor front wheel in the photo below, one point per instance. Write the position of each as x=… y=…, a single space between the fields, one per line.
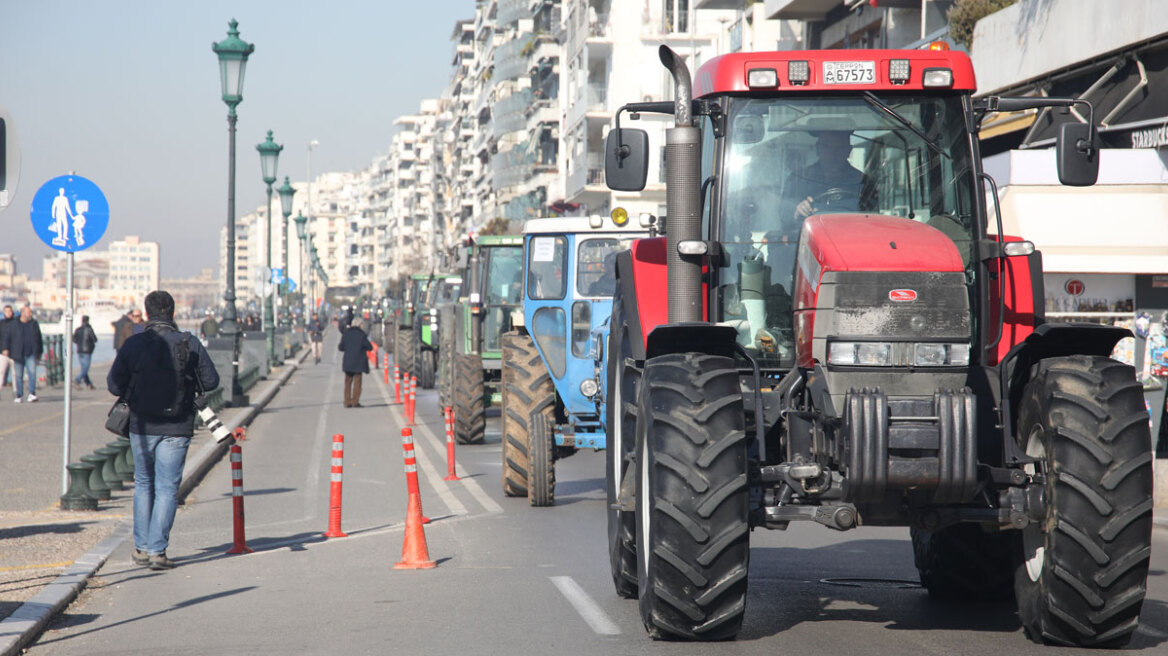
x=426 y=380
x=541 y=478
x=693 y=544
x=1083 y=571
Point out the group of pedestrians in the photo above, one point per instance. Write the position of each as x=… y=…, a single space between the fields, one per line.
x=21 y=347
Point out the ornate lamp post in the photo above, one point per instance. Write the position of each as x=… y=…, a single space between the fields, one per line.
x=232 y=53
x=302 y=233
x=269 y=154
x=286 y=193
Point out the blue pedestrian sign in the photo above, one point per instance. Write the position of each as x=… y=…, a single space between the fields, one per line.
x=69 y=213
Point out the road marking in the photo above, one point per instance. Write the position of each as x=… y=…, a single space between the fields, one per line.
x=34 y=422
x=588 y=609
x=435 y=479
x=315 y=464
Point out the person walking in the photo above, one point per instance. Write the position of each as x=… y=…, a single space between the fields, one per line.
x=210 y=327
x=84 y=339
x=156 y=372
x=123 y=328
x=316 y=334
x=137 y=325
x=23 y=343
x=7 y=319
x=355 y=364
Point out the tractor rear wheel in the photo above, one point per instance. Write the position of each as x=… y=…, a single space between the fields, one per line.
x=446 y=355
x=541 y=477
x=426 y=380
x=1084 y=568
x=965 y=563
x=406 y=343
x=693 y=543
x=621 y=427
x=467 y=397
x=527 y=389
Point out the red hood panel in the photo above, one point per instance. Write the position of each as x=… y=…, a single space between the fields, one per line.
x=873 y=242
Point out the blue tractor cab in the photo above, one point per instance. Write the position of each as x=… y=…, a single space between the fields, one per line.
x=551 y=389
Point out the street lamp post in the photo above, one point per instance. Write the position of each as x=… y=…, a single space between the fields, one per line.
x=302 y=233
x=286 y=193
x=232 y=53
x=269 y=154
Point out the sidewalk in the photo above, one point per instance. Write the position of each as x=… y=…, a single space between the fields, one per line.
x=47 y=554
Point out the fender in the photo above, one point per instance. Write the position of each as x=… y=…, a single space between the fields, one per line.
x=1023 y=301
x=1049 y=340
x=644 y=279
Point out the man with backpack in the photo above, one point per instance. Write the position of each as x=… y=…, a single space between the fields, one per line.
x=158 y=371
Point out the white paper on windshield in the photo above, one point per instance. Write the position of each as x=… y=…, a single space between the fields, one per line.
x=543 y=249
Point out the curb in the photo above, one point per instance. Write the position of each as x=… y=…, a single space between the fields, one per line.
x=25 y=623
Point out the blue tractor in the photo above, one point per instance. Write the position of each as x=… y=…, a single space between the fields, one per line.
x=551 y=389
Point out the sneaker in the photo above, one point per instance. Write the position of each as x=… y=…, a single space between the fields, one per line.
x=160 y=561
x=17 y=400
x=139 y=557
x=32 y=398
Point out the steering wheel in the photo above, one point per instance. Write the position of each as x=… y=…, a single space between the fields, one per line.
x=835 y=195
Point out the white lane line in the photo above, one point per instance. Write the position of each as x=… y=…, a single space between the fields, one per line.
x=315 y=464
x=435 y=479
x=588 y=609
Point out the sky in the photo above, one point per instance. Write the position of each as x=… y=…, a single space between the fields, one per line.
x=126 y=93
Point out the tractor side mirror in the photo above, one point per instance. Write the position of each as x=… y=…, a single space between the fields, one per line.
x=1078 y=155
x=626 y=159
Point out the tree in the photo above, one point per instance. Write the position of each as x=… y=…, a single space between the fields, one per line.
x=966 y=13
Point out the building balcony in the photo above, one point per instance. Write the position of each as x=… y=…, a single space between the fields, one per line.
x=809 y=10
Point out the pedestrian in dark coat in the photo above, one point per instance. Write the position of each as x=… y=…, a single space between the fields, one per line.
x=85 y=340
x=23 y=343
x=355 y=363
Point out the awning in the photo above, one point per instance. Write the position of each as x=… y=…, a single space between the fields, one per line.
x=1101 y=229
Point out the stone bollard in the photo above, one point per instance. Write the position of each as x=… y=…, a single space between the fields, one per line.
x=124 y=464
x=108 y=474
x=78 y=497
x=97 y=487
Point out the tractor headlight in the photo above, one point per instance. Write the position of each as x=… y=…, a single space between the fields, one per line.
x=940 y=355
x=869 y=354
x=589 y=388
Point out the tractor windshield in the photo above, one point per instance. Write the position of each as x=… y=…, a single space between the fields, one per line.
x=789 y=158
x=596 y=265
x=503 y=291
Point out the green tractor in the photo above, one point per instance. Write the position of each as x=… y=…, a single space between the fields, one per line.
x=415 y=342
x=470 y=357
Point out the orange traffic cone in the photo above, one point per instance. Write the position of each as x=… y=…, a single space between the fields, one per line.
x=415 y=554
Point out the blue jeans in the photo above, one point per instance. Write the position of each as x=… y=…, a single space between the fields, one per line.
x=158 y=467
x=83 y=377
x=28 y=363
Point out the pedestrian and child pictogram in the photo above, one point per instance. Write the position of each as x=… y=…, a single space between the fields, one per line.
x=69 y=213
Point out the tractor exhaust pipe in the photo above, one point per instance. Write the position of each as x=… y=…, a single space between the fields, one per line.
x=683 y=153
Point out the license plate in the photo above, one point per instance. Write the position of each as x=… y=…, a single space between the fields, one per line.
x=859 y=72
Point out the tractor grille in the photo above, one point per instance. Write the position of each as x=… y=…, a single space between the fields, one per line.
x=860 y=305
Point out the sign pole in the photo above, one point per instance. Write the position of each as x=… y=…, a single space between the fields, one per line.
x=67 y=344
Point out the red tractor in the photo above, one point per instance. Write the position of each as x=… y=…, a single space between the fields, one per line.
x=848 y=340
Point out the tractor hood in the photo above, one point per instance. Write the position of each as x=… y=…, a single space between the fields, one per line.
x=874 y=242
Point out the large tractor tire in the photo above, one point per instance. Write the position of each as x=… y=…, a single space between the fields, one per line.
x=541 y=476
x=470 y=416
x=426 y=379
x=407 y=343
x=693 y=544
x=527 y=390
x=965 y=563
x=620 y=428
x=1084 y=568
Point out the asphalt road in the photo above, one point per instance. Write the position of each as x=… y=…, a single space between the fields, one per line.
x=510 y=579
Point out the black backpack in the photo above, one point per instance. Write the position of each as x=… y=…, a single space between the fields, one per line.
x=162 y=377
